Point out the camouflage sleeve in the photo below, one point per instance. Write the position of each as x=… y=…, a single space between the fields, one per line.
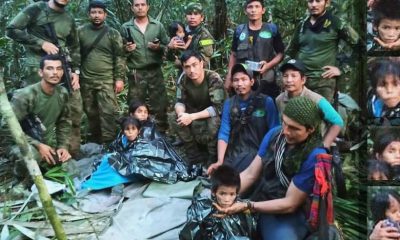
x=63 y=125
x=119 y=59
x=216 y=91
x=72 y=41
x=347 y=33
x=17 y=28
x=206 y=45
x=293 y=46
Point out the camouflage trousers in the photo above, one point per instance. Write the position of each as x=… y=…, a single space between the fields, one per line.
x=101 y=108
x=199 y=139
x=147 y=85
x=322 y=86
x=75 y=105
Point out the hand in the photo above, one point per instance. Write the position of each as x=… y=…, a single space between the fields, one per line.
x=384 y=233
x=370 y=3
x=390 y=46
x=153 y=46
x=235 y=208
x=63 y=154
x=263 y=67
x=184 y=119
x=212 y=167
x=330 y=72
x=75 y=81
x=130 y=46
x=176 y=43
x=46 y=152
x=49 y=48
x=119 y=86
x=228 y=82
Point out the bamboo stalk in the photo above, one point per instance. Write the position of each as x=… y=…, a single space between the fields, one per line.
x=31 y=164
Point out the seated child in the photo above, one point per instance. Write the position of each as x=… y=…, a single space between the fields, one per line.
x=384 y=104
x=110 y=173
x=203 y=222
x=386 y=26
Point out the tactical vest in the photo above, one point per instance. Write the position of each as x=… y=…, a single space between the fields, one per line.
x=196 y=42
x=248 y=128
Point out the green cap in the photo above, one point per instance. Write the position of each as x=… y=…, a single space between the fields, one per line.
x=304 y=111
x=194 y=7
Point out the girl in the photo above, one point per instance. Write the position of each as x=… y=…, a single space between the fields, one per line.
x=111 y=171
x=177 y=30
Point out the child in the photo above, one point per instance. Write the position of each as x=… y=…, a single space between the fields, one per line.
x=177 y=29
x=385 y=210
x=203 y=222
x=386 y=25
x=384 y=105
x=112 y=169
x=378 y=170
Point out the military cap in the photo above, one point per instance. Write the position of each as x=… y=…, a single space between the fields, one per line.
x=240 y=67
x=194 y=7
x=293 y=64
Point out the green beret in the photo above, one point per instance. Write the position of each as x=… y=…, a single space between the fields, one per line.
x=194 y=7
x=304 y=111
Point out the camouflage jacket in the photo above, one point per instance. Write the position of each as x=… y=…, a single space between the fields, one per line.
x=53 y=112
x=30 y=28
x=105 y=62
x=202 y=41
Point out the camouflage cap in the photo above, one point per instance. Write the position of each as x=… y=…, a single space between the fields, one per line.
x=194 y=7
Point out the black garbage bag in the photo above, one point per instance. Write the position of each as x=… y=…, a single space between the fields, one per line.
x=152 y=157
x=203 y=225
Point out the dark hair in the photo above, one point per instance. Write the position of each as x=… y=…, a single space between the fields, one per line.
x=126 y=121
x=190 y=53
x=381 y=68
x=135 y=104
x=51 y=57
x=173 y=28
x=250 y=1
x=225 y=175
x=380 y=203
x=384 y=138
x=97 y=4
x=385 y=9
x=377 y=166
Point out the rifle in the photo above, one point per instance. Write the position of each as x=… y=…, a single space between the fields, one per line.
x=129 y=38
x=66 y=79
x=33 y=127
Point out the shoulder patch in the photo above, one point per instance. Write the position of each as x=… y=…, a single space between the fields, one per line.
x=242 y=36
x=265 y=34
x=206 y=42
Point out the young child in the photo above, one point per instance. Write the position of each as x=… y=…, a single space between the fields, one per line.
x=384 y=104
x=203 y=220
x=112 y=169
x=177 y=29
x=386 y=25
x=386 y=149
x=378 y=170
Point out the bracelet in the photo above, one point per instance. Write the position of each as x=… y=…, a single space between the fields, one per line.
x=250 y=205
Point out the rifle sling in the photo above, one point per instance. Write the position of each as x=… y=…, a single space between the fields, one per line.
x=93 y=45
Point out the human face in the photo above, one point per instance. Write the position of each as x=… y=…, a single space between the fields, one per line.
x=393 y=212
x=97 y=16
x=180 y=32
x=391 y=154
x=388 y=30
x=293 y=82
x=141 y=113
x=226 y=196
x=140 y=8
x=194 y=19
x=254 y=11
x=293 y=131
x=52 y=72
x=388 y=90
x=378 y=176
x=242 y=83
x=194 y=69
x=131 y=132
x=316 y=7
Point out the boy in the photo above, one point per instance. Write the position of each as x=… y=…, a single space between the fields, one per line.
x=202 y=220
x=386 y=26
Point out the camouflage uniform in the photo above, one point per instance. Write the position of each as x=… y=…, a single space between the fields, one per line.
x=146 y=81
x=99 y=70
x=200 y=133
x=54 y=113
x=29 y=28
x=317 y=46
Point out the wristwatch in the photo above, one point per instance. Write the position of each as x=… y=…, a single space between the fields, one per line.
x=77 y=71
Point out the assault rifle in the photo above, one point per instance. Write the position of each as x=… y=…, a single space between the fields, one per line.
x=66 y=79
x=129 y=38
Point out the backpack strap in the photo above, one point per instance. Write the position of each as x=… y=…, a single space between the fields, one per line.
x=86 y=52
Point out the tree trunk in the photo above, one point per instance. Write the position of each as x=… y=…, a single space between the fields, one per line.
x=220 y=21
x=33 y=168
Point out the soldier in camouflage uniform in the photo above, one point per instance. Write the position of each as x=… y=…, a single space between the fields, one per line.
x=102 y=73
x=202 y=41
x=30 y=28
x=315 y=43
x=47 y=101
x=144 y=58
x=197 y=112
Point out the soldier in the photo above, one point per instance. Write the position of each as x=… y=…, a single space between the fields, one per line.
x=32 y=27
x=257 y=42
x=144 y=59
x=47 y=101
x=102 y=73
x=202 y=41
x=315 y=43
x=197 y=111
